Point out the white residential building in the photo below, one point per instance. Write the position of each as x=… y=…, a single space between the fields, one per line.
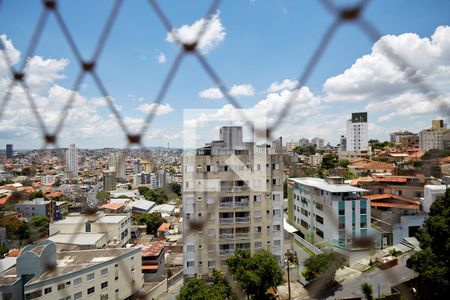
x=318 y=142
x=430 y=194
x=42 y=273
x=315 y=160
x=72 y=160
x=329 y=211
x=116 y=228
x=237 y=195
x=357 y=136
x=433 y=138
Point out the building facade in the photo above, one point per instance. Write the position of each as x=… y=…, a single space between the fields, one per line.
x=433 y=138
x=397 y=136
x=329 y=211
x=318 y=142
x=236 y=192
x=357 y=133
x=109 y=181
x=9 y=151
x=89 y=274
x=72 y=160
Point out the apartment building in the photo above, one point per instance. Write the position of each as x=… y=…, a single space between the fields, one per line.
x=37 y=207
x=116 y=228
x=235 y=191
x=72 y=160
x=433 y=138
x=329 y=211
x=357 y=134
x=41 y=272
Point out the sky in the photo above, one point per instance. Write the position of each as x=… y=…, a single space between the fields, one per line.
x=258 y=48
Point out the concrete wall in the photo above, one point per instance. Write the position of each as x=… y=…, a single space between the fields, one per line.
x=400 y=230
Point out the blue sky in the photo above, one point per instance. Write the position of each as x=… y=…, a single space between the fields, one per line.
x=262 y=42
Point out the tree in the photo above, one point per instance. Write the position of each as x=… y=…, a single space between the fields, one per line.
x=3 y=250
x=152 y=220
x=257 y=273
x=366 y=288
x=433 y=261
x=143 y=189
x=175 y=188
x=329 y=161
x=102 y=197
x=344 y=163
x=306 y=150
x=349 y=175
x=41 y=222
x=36 y=194
x=322 y=265
x=197 y=289
x=156 y=195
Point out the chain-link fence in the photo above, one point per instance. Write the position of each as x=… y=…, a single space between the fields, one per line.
x=88 y=63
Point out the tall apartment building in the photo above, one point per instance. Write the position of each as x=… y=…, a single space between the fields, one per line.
x=117 y=164
x=235 y=191
x=433 y=138
x=318 y=142
x=329 y=211
x=72 y=160
x=343 y=144
x=109 y=181
x=43 y=273
x=303 y=142
x=9 y=151
x=357 y=133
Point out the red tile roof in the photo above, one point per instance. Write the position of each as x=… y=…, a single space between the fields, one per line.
x=163 y=227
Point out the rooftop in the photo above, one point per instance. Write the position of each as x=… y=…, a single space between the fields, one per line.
x=77 y=239
x=153 y=248
x=142 y=204
x=323 y=185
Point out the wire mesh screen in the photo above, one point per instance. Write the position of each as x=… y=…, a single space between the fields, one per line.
x=88 y=62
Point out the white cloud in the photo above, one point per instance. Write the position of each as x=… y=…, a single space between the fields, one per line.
x=89 y=122
x=155 y=108
x=235 y=91
x=162 y=58
x=212 y=37
x=286 y=84
x=376 y=76
x=242 y=90
x=211 y=93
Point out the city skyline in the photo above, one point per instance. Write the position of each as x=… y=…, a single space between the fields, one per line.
x=336 y=88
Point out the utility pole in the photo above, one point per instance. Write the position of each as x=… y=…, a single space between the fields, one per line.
x=287 y=255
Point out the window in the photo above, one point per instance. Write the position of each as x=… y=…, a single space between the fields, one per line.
x=190 y=264
x=104 y=297
x=77 y=281
x=104 y=271
x=104 y=285
x=257 y=214
x=90 y=290
x=61 y=286
x=277 y=242
x=319 y=219
x=211 y=264
x=257 y=198
x=211 y=232
x=341 y=211
x=47 y=290
x=77 y=295
x=258 y=245
x=32 y=295
x=276 y=227
x=257 y=229
x=190 y=248
x=363 y=211
x=90 y=276
x=88 y=227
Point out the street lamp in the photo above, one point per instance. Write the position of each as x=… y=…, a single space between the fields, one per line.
x=290 y=253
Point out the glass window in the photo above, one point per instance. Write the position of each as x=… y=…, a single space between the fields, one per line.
x=47 y=290
x=77 y=281
x=211 y=264
x=104 y=271
x=104 y=285
x=90 y=290
x=90 y=277
x=258 y=245
x=61 y=286
x=77 y=295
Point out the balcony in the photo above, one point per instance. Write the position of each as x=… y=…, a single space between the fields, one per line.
x=225 y=188
x=242 y=235
x=226 y=204
x=226 y=252
x=242 y=220
x=226 y=220
x=226 y=236
x=241 y=204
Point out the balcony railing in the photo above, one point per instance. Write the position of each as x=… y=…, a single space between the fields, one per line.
x=226 y=204
x=225 y=188
x=242 y=219
x=241 y=188
x=226 y=220
x=241 y=204
x=242 y=235
x=226 y=235
x=226 y=252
